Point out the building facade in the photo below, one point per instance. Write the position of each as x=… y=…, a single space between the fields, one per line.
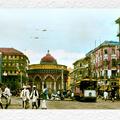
x=118 y=22
x=80 y=72
x=81 y=69
x=104 y=64
x=13 y=67
x=100 y=64
x=48 y=73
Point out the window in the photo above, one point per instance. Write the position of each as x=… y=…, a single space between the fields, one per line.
x=13 y=57
x=4 y=64
x=5 y=57
x=113 y=51
x=105 y=51
x=113 y=62
x=114 y=73
x=80 y=64
x=9 y=57
x=105 y=62
x=106 y=73
x=17 y=57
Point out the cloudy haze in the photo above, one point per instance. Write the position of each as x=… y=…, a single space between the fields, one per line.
x=68 y=33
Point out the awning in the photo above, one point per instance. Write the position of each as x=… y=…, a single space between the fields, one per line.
x=105 y=88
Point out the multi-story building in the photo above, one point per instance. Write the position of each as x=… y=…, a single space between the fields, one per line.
x=81 y=69
x=104 y=63
x=118 y=22
x=100 y=64
x=13 y=66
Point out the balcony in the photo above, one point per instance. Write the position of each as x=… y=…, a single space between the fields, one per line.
x=118 y=62
x=105 y=57
x=113 y=56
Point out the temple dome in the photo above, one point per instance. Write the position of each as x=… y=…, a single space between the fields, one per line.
x=48 y=59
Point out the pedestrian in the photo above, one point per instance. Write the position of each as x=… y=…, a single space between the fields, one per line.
x=1 y=105
x=34 y=96
x=27 y=101
x=72 y=95
x=7 y=94
x=39 y=97
x=105 y=94
x=45 y=95
x=25 y=96
x=113 y=94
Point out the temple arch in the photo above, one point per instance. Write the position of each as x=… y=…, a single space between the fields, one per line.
x=38 y=82
x=49 y=82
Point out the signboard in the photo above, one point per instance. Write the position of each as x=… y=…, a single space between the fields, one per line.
x=89 y=93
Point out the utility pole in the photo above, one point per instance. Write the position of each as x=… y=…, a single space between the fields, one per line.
x=20 y=72
x=62 y=79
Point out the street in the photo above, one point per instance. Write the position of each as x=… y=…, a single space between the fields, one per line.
x=16 y=103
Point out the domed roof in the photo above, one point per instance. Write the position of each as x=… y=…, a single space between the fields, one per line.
x=48 y=59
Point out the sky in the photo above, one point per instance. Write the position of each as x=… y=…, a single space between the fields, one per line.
x=67 y=33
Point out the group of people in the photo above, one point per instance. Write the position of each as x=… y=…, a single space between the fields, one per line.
x=5 y=94
x=26 y=96
x=33 y=97
x=112 y=95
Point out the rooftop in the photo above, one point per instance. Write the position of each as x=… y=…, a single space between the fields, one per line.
x=48 y=59
x=10 y=51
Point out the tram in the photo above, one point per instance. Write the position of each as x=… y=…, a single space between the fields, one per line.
x=85 y=90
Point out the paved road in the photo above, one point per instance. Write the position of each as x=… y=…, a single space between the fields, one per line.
x=68 y=104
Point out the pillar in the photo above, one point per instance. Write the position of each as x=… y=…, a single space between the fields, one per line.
x=42 y=85
x=54 y=85
x=62 y=80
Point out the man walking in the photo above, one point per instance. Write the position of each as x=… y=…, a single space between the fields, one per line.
x=45 y=95
x=34 y=96
x=105 y=95
x=25 y=97
x=7 y=94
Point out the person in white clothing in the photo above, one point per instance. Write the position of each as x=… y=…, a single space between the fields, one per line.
x=105 y=95
x=25 y=95
x=1 y=98
x=7 y=94
x=34 y=96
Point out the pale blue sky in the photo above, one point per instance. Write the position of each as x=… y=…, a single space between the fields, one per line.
x=71 y=33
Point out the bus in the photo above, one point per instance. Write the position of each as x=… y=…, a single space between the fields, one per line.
x=85 y=90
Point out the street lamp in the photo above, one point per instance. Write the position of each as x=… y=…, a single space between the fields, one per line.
x=62 y=79
x=20 y=75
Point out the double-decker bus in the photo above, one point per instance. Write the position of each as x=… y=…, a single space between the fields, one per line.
x=85 y=90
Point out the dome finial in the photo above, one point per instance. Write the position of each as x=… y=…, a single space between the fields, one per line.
x=48 y=51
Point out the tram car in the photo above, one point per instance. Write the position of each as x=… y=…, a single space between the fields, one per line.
x=85 y=90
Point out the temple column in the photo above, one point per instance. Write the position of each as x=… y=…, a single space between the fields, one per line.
x=54 y=85
x=62 y=79
x=42 y=85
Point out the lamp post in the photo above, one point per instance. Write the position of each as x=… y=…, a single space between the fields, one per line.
x=62 y=79
x=20 y=75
